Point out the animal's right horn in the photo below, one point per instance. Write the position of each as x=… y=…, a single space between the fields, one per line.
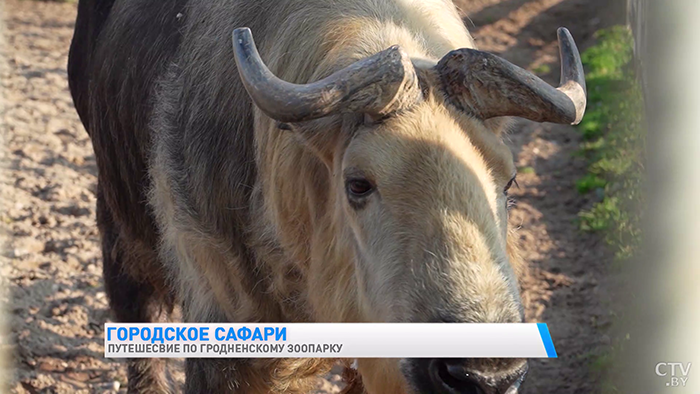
x=376 y=85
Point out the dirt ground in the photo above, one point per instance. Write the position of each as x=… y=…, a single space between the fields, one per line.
x=51 y=265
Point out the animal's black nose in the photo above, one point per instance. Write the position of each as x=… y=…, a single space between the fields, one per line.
x=459 y=376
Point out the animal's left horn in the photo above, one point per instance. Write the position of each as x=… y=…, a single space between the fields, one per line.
x=376 y=85
x=488 y=86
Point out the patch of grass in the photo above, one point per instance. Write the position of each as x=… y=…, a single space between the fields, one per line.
x=589 y=183
x=614 y=145
x=602 y=362
x=542 y=69
x=613 y=142
x=526 y=170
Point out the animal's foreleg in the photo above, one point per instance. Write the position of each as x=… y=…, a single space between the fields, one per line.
x=133 y=299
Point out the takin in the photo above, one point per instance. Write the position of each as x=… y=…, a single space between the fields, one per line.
x=347 y=166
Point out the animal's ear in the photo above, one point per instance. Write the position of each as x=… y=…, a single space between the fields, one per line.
x=501 y=125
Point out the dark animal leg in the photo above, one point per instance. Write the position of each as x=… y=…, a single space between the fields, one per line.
x=132 y=301
x=214 y=376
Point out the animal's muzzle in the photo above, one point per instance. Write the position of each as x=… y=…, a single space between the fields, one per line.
x=462 y=376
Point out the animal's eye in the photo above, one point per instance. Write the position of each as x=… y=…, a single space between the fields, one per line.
x=509 y=184
x=358 y=188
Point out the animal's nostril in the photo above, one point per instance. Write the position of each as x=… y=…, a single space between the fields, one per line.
x=453 y=379
x=464 y=376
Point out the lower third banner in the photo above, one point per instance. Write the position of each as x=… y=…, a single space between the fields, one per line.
x=328 y=340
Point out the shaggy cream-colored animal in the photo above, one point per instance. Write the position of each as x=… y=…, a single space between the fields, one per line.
x=350 y=167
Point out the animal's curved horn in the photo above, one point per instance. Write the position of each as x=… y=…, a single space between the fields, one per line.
x=488 y=86
x=377 y=85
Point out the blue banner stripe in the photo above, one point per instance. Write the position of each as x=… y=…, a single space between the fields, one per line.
x=547 y=340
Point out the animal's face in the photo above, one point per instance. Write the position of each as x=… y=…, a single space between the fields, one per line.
x=425 y=194
x=421 y=188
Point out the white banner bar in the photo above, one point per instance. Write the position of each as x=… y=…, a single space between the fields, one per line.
x=328 y=340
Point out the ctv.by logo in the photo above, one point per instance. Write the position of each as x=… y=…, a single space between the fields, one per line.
x=677 y=373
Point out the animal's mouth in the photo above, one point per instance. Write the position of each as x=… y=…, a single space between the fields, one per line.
x=515 y=388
